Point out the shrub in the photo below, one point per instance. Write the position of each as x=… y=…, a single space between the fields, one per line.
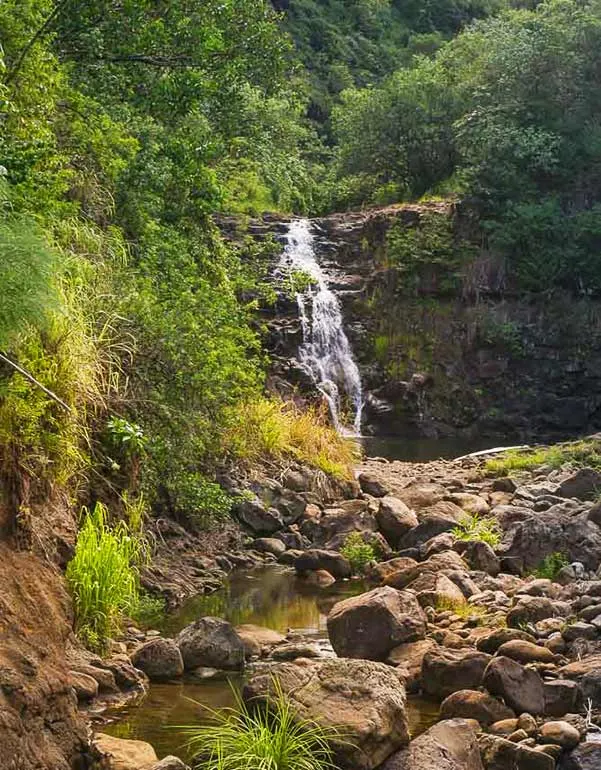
x=358 y=552
x=475 y=527
x=103 y=576
x=266 y=736
x=550 y=566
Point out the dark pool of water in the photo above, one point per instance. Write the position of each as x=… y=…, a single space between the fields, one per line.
x=273 y=597
x=425 y=449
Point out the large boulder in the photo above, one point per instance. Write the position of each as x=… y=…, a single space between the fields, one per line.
x=211 y=642
x=445 y=671
x=526 y=652
x=448 y=745
x=372 y=484
x=381 y=571
x=501 y=754
x=160 y=659
x=257 y=638
x=121 y=754
x=364 y=700
x=564 y=528
x=330 y=561
x=371 y=624
x=584 y=484
x=257 y=517
x=436 y=590
x=562 y=696
x=521 y=688
x=395 y=519
x=495 y=639
x=474 y=704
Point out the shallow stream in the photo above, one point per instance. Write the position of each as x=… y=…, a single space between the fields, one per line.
x=271 y=597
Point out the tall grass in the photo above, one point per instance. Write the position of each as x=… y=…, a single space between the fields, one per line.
x=266 y=736
x=579 y=453
x=271 y=429
x=103 y=576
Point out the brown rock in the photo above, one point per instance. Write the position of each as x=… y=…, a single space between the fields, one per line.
x=160 y=659
x=446 y=671
x=257 y=638
x=521 y=688
x=370 y=625
x=364 y=700
x=474 y=704
x=395 y=519
x=448 y=745
x=123 y=754
x=408 y=658
x=560 y=733
x=526 y=652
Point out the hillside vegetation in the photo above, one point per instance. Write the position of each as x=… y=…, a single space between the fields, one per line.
x=126 y=127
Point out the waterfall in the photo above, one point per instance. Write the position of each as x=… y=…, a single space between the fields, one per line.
x=325 y=352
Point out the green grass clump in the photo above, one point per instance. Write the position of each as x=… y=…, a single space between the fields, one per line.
x=476 y=527
x=266 y=736
x=550 y=566
x=357 y=552
x=579 y=453
x=103 y=576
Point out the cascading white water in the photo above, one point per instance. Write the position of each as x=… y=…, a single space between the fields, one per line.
x=325 y=351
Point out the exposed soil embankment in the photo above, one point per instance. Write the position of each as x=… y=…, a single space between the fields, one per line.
x=40 y=727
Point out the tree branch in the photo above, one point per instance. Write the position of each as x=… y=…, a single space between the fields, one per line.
x=35 y=382
x=13 y=71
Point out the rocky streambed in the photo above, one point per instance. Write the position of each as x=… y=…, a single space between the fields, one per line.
x=511 y=659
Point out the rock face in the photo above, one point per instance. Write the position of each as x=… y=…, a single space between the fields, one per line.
x=446 y=671
x=125 y=755
x=365 y=701
x=449 y=745
x=370 y=625
x=160 y=659
x=211 y=642
x=521 y=688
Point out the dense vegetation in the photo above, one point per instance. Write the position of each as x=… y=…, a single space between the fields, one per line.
x=506 y=117
x=124 y=129
x=131 y=366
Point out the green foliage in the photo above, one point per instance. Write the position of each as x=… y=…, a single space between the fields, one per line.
x=427 y=258
x=476 y=527
x=149 y=611
x=578 y=453
x=26 y=277
x=550 y=566
x=200 y=501
x=103 y=576
x=297 y=282
x=263 y=735
x=359 y=553
x=507 y=115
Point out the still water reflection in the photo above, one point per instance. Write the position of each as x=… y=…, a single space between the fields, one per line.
x=273 y=597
